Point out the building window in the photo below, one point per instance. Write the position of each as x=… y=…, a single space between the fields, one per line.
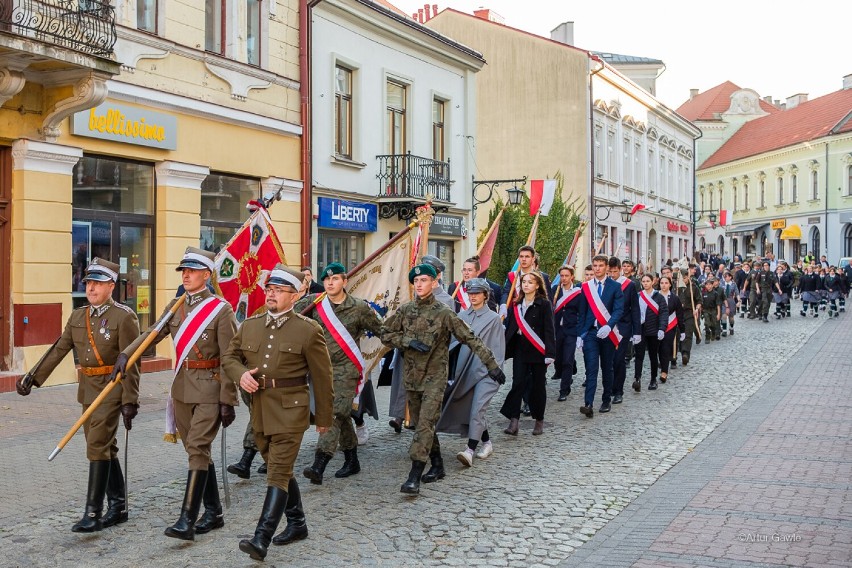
x=253 y=30
x=814 y=185
x=628 y=243
x=847 y=241
x=762 y=195
x=637 y=170
x=146 y=15
x=794 y=189
x=780 y=187
x=214 y=26
x=396 y=101
x=343 y=112
x=745 y=196
x=438 y=151
x=339 y=246
x=670 y=179
x=610 y=154
x=626 y=178
x=712 y=199
x=652 y=177
x=815 y=244
x=223 y=207
x=848 y=180
x=598 y=154
x=734 y=195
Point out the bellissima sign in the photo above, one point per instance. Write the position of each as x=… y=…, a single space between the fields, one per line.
x=129 y=125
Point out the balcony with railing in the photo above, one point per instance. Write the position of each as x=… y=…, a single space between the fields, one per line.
x=405 y=177
x=86 y=26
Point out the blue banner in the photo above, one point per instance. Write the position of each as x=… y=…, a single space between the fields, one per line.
x=347 y=215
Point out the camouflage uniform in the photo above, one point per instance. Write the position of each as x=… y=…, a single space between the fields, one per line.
x=768 y=282
x=691 y=328
x=709 y=304
x=358 y=317
x=753 y=296
x=425 y=374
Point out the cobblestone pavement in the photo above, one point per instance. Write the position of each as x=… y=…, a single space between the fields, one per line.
x=533 y=503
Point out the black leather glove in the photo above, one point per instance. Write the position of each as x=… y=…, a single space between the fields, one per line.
x=226 y=414
x=128 y=413
x=418 y=346
x=120 y=367
x=497 y=375
x=24 y=385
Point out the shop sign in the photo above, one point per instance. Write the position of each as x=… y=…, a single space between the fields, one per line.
x=130 y=125
x=672 y=226
x=814 y=220
x=347 y=215
x=684 y=228
x=779 y=224
x=448 y=226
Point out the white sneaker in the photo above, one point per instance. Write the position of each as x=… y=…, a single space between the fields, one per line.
x=466 y=457
x=485 y=450
x=362 y=434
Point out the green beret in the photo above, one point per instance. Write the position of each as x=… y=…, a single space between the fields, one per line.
x=332 y=269
x=421 y=270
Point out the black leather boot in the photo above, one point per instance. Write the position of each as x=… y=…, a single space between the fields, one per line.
x=435 y=472
x=351 y=466
x=212 y=517
x=184 y=528
x=270 y=516
x=116 y=506
x=297 y=528
x=98 y=476
x=262 y=469
x=242 y=468
x=412 y=485
x=314 y=473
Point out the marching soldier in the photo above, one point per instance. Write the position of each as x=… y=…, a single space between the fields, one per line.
x=690 y=297
x=768 y=283
x=343 y=320
x=203 y=396
x=98 y=332
x=711 y=309
x=753 y=287
x=272 y=354
x=422 y=329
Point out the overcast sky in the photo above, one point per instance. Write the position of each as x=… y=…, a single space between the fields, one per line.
x=775 y=48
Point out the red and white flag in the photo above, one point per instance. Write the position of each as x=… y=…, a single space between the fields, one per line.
x=724 y=217
x=637 y=208
x=486 y=249
x=542 y=192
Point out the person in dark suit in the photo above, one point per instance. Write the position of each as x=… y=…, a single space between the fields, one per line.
x=313 y=287
x=601 y=308
x=565 y=313
x=526 y=264
x=628 y=327
x=675 y=327
x=531 y=344
x=471 y=269
x=654 y=315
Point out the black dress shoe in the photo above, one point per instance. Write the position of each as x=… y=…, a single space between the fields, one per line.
x=617 y=399
x=525 y=410
x=605 y=407
x=653 y=385
x=562 y=397
x=587 y=411
x=637 y=386
x=396 y=424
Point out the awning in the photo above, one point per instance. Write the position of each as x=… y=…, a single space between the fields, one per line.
x=793 y=233
x=745 y=229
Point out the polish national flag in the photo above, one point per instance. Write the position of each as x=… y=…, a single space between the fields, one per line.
x=542 y=192
x=724 y=217
x=637 y=208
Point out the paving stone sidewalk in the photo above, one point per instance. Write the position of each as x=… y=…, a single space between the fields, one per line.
x=535 y=502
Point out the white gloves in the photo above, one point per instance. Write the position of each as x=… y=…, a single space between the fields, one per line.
x=604 y=332
x=636 y=339
x=548 y=360
x=660 y=334
x=503 y=311
x=682 y=336
x=579 y=343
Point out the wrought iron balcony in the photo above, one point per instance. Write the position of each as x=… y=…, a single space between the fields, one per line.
x=86 y=26
x=405 y=176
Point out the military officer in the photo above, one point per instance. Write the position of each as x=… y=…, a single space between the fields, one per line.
x=203 y=396
x=343 y=320
x=272 y=355
x=690 y=297
x=710 y=309
x=768 y=283
x=98 y=332
x=422 y=329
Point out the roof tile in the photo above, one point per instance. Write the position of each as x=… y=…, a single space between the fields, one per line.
x=709 y=104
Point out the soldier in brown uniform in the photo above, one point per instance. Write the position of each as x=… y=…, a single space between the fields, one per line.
x=272 y=355
x=203 y=395
x=98 y=332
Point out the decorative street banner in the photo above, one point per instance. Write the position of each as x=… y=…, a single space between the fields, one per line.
x=347 y=215
x=384 y=285
x=246 y=261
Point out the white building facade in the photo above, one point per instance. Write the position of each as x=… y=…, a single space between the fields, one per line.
x=393 y=116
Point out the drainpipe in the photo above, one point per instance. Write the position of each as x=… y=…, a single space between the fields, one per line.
x=306 y=213
x=592 y=173
x=694 y=184
x=825 y=217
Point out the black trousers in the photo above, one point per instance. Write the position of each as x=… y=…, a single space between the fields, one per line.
x=619 y=364
x=524 y=375
x=666 y=350
x=565 y=363
x=651 y=345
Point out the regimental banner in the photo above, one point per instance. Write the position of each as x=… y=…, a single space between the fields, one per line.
x=384 y=285
x=245 y=262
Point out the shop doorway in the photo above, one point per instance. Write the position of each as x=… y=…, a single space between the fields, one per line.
x=5 y=253
x=652 y=251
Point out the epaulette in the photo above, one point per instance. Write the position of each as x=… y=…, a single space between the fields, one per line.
x=255 y=316
x=305 y=318
x=124 y=307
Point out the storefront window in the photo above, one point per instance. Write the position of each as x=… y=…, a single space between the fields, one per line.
x=339 y=246
x=223 y=207
x=107 y=184
x=444 y=251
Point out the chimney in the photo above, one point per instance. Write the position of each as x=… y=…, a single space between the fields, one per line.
x=847 y=82
x=768 y=98
x=427 y=13
x=419 y=17
x=434 y=10
x=490 y=15
x=563 y=33
x=414 y=16
x=692 y=93
x=796 y=100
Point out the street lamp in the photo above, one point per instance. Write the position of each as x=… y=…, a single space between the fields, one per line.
x=712 y=215
x=626 y=216
x=515 y=195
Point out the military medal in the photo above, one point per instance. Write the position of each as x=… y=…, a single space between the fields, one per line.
x=204 y=336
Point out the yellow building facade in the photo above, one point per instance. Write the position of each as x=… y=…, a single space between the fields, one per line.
x=145 y=133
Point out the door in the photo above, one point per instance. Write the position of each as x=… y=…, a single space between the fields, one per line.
x=5 y=253
x=651 y=261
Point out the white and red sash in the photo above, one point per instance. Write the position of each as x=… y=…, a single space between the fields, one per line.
x=192 y=327
x=649 y=301
x=344 y=339
x=565 y=298
x=624 y=281
x=461 y=296
x=598 y=308
x=672 y=322
x=527 y=331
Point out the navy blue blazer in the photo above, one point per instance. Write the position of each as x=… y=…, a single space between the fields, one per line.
x=566 y=319
x=612 y=298
x=631 y=316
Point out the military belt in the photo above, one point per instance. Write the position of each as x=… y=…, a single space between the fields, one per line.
x=200 y=364
x=96 y=371
x=267 y=383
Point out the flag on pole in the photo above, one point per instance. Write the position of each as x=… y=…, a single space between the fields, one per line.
x=637 y=208
x=542 y=192
x=244 y=263
x=724 y=217
x=530 y=242
x=486 y=249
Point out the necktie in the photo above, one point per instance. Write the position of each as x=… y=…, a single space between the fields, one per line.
x=599 y=288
